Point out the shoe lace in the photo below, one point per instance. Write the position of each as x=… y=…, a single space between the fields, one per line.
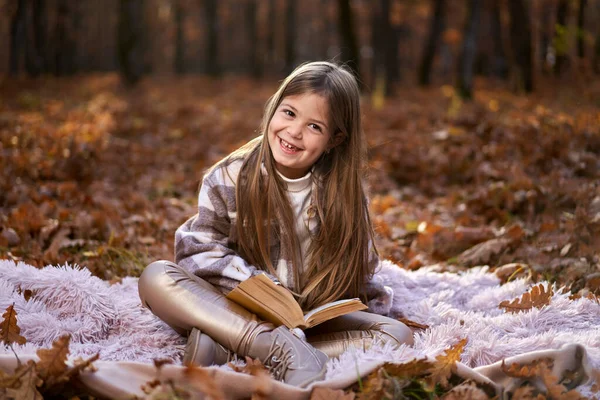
x=279 y=359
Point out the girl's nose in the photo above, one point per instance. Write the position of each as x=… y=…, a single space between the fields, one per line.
x=295 y=130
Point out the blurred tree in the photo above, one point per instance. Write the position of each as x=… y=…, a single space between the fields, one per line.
x=499 y=63
x=546 y=47
x=581 y=29
x=212 y=37
x=469 y=47
x=35 y=59
x=290 y=36
x=270 y=55
x=65 y=37
x=561 y=45
x=178 y=17
x=520 y=39
x=130 y=34
x=349 y=44
x=252 y=39
x=437 y=26
x=18 y=37
x=384 y=40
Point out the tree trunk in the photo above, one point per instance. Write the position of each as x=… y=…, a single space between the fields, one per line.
x=130 y=40
x=349 y=45
x=520 y=38
x=290 y=36
x=436 y=28
x=546 y=34
x=270 y=55
x=212 y=37
x=581 y=29
x=178 y=16
x=500 y=65
x=252 y=35
x=469 y=48
x=18 y=37
x=560 y=37
x=34 y=54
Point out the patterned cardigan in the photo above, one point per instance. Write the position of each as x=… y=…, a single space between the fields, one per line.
x=206 y=243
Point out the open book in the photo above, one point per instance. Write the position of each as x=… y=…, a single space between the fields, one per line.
x=276 y=304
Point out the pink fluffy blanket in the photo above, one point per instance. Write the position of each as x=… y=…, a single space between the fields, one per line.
x=109 y=320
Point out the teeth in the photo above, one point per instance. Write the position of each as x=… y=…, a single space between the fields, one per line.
x=289 y=146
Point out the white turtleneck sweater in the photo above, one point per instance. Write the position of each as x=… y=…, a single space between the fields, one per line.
x=299 y=193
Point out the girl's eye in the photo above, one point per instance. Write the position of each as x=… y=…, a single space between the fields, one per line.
x=315 y=127
x=289 y=113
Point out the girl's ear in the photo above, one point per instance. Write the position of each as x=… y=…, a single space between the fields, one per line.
x=336 y=140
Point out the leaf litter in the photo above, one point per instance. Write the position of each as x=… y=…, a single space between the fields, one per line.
x=99 y=176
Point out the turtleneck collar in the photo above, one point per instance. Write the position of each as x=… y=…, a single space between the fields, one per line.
x=296 y=185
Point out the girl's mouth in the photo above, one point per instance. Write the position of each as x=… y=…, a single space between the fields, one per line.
x=288 y=147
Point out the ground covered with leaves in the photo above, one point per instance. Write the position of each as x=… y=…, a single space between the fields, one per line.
x=99 y=175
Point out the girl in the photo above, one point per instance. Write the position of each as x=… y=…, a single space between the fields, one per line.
x=290 y=204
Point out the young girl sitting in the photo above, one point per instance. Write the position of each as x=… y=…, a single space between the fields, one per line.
x=290 y=204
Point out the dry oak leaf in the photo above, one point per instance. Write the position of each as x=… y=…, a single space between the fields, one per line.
x=323 y=393
x=554 y=389
x=445 y=364
x=536 y=297
x=27 y=383
x=202 y=380
x=374 y=383
x=53 y=362
x=9 y=330
x=465 y=391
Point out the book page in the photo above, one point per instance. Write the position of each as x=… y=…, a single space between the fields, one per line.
x=332 y=310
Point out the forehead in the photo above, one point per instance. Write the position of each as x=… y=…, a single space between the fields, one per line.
x=313 y=105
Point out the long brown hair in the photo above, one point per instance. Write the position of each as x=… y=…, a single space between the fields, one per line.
x=338 y=256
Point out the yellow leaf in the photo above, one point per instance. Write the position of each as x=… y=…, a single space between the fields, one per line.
x=445 y=364
x=9 y=330
x=52 y=362
x=537 y=297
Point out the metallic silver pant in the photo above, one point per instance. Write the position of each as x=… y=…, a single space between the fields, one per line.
x=185 y=301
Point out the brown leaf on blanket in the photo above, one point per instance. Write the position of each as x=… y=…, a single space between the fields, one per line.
x=9 y=330
x=203 y=380
x=537 y=297
x=445 y=364
x=412 y=324
x=253 y=367
x=263 y=385
x=53 y=362
x=323 y=393
x=27 y=383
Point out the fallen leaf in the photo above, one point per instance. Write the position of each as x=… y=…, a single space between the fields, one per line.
x=484 y=253
x=412 y=324
x=202 y=380
x=52 y=363
x=465 y=391
x=9 y=330
x=537 y=297
x=445 y=364
x=28 y=383
x=323 y=393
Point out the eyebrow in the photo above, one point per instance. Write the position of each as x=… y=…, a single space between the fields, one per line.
x=295 y=110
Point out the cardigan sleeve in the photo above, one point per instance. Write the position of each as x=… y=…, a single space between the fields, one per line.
x=205 y=244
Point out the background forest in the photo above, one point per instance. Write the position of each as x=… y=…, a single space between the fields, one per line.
x=482 y=118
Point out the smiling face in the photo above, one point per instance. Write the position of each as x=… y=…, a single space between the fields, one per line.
x=299 y=133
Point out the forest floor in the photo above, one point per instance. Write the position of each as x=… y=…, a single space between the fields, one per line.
x=101 y=176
